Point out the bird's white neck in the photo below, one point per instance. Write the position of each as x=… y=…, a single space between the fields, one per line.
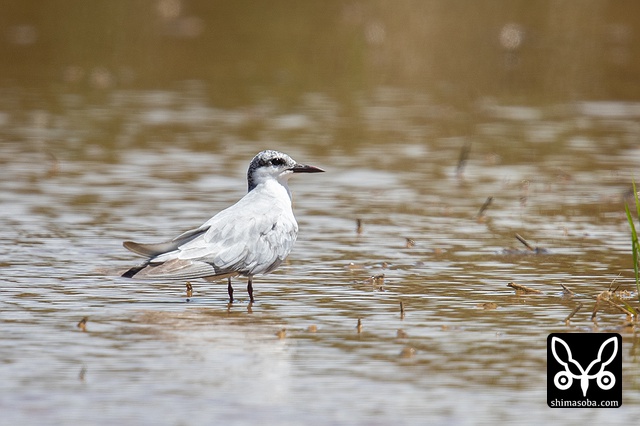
x=274 y=187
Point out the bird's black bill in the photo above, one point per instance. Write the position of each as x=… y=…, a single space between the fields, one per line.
x=303 y=168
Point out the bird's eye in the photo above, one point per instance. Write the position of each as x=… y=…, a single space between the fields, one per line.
x=278 y=162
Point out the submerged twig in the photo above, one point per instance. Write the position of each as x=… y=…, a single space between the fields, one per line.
x=82 y=325
x=54 y=166
x=535 y=250
x=462 y=160
x=83 y=372
x=575 y=311
x=526 y=244
x=523 y=288
x=484 y=207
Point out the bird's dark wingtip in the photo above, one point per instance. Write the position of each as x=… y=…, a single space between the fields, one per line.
x=133 y=271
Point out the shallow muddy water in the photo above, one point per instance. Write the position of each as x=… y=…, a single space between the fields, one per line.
x=467 y=348
x=137 y=120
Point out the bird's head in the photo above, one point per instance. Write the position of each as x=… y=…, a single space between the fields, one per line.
x=276 y=165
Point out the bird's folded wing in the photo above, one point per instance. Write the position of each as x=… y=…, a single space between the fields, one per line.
x=152 y=250
x=178 y=269
x=254 y=245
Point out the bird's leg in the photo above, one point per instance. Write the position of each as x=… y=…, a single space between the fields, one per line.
x=250 y=290
x=230 y=291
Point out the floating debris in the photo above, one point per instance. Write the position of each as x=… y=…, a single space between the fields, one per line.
x=377 y=279
x=566 y=290
x=83 y=372
x=401 y=334
x=613 y=298
x=353 y=266
x=624 y=294
x=487 y=305
x=519 y=288
x=410 y=243
x=407 y=352
x=312 y=328
x=609 y=298
x=82 y=325
x=281 y=334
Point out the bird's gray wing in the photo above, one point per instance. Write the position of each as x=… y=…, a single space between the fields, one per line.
x=242 y=241
x=153 y=250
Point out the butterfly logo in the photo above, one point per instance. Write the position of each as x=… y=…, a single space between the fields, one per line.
x=564 y=379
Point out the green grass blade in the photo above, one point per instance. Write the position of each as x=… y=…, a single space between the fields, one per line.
x=635 y=245
x=635 y=197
